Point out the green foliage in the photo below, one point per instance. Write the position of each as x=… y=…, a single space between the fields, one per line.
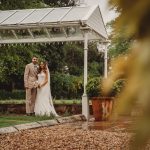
x=95 y=61
x=13 y=61
x=74 y=58
x=119 y=46
x=27 y=4
x=95 y=88
x=21 y=4
x=15 y=94
x=54 y=54
x=66 y=86
x=59 y=3
x=62 y=86
x=119 y=43
x=95 y=68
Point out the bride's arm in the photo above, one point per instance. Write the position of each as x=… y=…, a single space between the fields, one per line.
x=46 y=79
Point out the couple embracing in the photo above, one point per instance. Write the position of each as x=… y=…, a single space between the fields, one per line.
x=38 y=93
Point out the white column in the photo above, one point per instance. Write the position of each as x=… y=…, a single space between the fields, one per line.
x=105 y=62
x=85 y=102
x=85 y=59
x=102 y=48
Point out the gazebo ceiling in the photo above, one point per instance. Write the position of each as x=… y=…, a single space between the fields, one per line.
x=51 y=25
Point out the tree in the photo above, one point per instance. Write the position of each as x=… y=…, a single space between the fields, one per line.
x=54 y=54
x=59 y=3
x=21 y=4
x=95 y=61
x=119 y=43
x=12 y=64
x=74 y=58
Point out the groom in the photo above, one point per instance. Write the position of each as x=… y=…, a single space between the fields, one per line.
x=30 y=83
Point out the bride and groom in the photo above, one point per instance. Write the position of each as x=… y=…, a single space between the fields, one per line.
x=38 y=93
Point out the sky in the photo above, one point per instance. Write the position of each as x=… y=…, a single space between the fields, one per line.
x=106 y=13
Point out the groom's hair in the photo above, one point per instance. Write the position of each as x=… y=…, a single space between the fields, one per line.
x=34 y=56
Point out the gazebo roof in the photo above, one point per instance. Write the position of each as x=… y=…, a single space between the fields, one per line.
x=51 y=25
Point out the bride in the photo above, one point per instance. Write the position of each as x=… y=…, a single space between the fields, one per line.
x=44 y=103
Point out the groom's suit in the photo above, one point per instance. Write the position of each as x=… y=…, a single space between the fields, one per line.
x=30 y=77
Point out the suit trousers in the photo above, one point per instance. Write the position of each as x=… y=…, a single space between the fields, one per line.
x=30 y=99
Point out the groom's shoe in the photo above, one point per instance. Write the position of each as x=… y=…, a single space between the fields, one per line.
x=28 y=114
x=32 y=114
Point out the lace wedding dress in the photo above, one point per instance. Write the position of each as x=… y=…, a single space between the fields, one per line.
x=44 y=103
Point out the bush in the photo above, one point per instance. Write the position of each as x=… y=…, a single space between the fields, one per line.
x=66 y=86
x=94 y=87
x=63 y=86
x=16 y=94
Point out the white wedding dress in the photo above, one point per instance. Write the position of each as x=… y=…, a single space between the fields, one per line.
x=44 y=103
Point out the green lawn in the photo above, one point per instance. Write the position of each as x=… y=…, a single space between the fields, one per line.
x=9 y=120
x=74 y=101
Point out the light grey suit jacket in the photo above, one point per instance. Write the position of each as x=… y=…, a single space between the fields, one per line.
x=30 y=76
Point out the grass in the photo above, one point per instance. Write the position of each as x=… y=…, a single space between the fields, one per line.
x=12 y=101
x=75 y=101
x=10 y=120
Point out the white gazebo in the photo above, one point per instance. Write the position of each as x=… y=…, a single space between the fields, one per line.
x=48 y=25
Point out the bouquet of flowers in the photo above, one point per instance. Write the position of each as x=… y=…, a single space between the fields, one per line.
x=36 y=84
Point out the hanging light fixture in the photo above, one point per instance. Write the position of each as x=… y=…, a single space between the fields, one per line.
x=100 y=47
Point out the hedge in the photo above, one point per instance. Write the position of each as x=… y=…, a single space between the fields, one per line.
x=63 y=86
x=66 y=86
x=15 y=94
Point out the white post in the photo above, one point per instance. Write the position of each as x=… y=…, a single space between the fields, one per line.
x=103 y=48
x=105 y=62
x=85 y=102
x=85 y=59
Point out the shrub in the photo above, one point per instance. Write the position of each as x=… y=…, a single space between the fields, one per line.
x=15 y=94
x=63 y=86
x=66 y=86
x=94 y=87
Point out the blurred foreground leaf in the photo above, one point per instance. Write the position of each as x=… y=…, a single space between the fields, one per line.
x=134 y=19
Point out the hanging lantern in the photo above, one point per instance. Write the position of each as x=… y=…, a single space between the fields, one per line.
x=100 y=47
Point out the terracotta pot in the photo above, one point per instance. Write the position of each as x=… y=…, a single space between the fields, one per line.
x=97 y=108
x=102 y=107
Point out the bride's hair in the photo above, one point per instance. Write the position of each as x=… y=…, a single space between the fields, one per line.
x=44 y=67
